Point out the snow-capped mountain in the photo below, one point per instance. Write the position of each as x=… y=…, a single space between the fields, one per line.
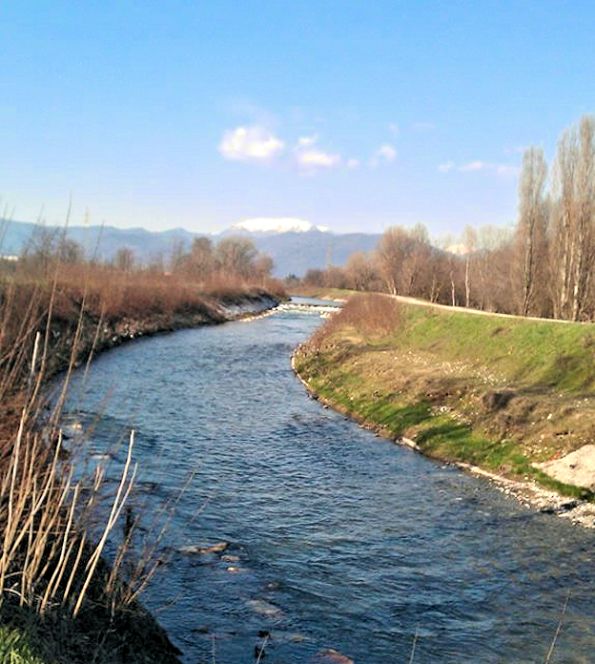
x=276 y=225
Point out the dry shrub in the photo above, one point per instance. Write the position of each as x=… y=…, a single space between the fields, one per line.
x=50 y=546
x=48 y=556
x=371 y=315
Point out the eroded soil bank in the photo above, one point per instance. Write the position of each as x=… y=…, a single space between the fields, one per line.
x=509 y=399
x=97 y=335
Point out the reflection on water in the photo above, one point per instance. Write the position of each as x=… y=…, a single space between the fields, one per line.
x=335 y=538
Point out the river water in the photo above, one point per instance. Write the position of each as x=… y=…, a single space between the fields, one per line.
x=337 y=539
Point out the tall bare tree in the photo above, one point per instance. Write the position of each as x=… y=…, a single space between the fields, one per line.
x=573 y=219
x=390 y=253
x=531 y=228
x=469 y=246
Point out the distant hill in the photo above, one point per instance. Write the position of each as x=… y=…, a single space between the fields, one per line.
x=293 y=251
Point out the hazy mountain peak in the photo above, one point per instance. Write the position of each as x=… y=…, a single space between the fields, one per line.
x=277 y=225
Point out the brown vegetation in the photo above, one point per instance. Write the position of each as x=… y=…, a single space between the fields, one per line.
x=56 y=309
x=373 y=314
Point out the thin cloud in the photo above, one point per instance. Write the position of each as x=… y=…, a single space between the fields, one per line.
x=479 y=166
x=473 y=166
x=315 y=158
x=253 y=143
x=307 y=141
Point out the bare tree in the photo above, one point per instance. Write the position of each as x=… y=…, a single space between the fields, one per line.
x=263 y=267
x=531 y=228
x=201 y=261
x=361 y=272
x=469 y=245
x=573 y=219
x=398 y=261
x=124 y=259
x=236 y=255
x=416 y=254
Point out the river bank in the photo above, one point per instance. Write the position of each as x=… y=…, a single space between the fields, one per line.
x=505 y=399
x=104 y=631
x=97 y=335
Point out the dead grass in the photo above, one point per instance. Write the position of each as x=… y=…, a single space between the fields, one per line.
x=55 y=524
x=371 y=315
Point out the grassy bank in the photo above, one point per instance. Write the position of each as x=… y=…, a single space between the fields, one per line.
x=498 y=393
x=59 y=599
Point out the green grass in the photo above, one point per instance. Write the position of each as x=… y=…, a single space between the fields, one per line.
x=551 y=362
x=15 y=648
x=543 y=354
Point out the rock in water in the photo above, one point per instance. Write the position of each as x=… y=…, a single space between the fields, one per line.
x=332 y=656
x=265 y=608
x=213 y=548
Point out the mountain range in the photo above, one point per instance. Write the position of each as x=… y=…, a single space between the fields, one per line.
x=293 y=244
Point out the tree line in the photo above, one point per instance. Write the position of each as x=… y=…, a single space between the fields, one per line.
x=544 y=266
x=231 y=258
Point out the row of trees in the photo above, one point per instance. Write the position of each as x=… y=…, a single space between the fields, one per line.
x=555 y=237
x=231 y=257
x=545 y=266
x=472 y=271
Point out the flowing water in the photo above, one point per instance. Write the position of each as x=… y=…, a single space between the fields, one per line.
x=337 y=539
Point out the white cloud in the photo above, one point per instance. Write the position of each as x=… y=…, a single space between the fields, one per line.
x=253 y=143
x=310 y=157
x=352 y=163
x=387 y=152
x=315 y=158
x=384 y=154
x=446 y=167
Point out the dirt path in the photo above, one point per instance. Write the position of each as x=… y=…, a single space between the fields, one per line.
x=477 y=312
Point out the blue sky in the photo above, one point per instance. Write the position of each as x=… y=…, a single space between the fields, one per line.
x=353 y=115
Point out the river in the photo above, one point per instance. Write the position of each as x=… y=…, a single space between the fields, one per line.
x=337 y=539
